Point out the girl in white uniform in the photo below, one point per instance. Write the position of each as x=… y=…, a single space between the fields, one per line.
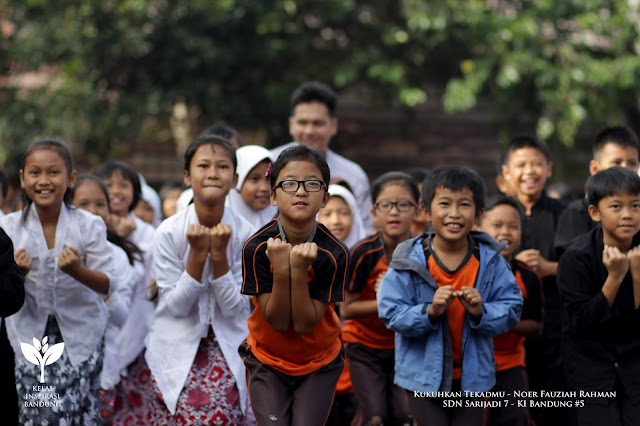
x=201 y=316
x=63 y=253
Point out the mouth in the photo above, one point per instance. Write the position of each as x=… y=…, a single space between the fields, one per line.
x=300 y=204
x=506 y=241
x=453 y=227
x=44 y=192
x=530 y=182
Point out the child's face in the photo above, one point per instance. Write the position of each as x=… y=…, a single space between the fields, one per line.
x=612 y=155
x=170 y=202
x=394 y=211
x=120 y=192
x=45 y=178
x=337 y=217
x=503 y=223
x=619 y=215
x=452 y=214
x=312 y=125
x=144 y=211
x=211 y=174
x=300 y=206
x=528 y=170
x=255 y=189
x=89 y=196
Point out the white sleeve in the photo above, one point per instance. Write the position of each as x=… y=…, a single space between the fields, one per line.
x=175 y=285
x=98 y=253
x=119 y=303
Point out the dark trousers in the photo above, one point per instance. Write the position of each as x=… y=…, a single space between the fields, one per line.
x=433 y=412
x=290 y=400
x=372 y=377
x=8 y=393
x=618 y=411
x=509 y=414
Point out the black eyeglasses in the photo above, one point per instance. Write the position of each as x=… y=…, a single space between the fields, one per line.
x=294 y=185
x=402 y=205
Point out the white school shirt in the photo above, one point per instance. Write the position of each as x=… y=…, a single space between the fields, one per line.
x=134 y=331
x=349 y=171
x=118 y=306
x=186 y=307
x=80 y=312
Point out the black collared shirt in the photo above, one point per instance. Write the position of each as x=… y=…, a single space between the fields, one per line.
x=599 y=341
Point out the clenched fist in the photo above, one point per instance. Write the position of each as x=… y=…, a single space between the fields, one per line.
x=23 y=260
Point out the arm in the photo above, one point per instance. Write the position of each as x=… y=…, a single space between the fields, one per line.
x=175 y=284
x=502 y=300
x=305 y=311
x=119 y=303
x=634 y=267
x=276 y=306
x=399 y=307
x=11 y=280
x=353 y=307
x=528 y=328
x=69 y=262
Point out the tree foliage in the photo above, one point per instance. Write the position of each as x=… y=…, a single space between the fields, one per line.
x=103 y=74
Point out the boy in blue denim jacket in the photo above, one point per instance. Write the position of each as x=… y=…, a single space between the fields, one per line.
x=446 y=294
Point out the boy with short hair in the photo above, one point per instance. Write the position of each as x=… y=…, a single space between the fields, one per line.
x=528 y=165
x=599 y=281
x=446 y=294
x=614 y=146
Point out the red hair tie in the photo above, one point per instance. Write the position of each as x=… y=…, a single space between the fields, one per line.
x=268 y=173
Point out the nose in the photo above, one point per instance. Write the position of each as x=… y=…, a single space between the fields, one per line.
x=301 y=190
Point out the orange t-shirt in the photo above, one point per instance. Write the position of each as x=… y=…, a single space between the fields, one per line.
x=509 y=351
x=465 y=275
x=368 y=261
x=290 y=352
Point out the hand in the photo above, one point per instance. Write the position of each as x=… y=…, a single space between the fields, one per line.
x=634 y=260
x=123 y=226
x=278 y=253
x=616 y=262
x=199 y=238
x=378 y=281
x=23 y=260
x=442 y=299
x=219 y=235
x=531 y=257
x=69 y=260
x=471 y=300
x=303 y=255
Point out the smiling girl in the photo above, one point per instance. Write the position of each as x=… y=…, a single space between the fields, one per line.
x=63 y=254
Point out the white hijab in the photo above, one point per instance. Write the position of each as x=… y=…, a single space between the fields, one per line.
x=248 y=157
x=150 y=195
x=358 y=231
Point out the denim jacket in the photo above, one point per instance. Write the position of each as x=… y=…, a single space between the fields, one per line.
x=423 y=355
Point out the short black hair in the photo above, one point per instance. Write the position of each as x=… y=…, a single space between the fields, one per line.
x=520 y=142
x=226 y=132
x=314 y=91
x=299 y=153
x=610 y=182
x=418 y=174
x=209 y=140
x=617 y=135
x=395 y=177
x=454 y=178
x=108 y=169
x=4 y=184
x=501 y=200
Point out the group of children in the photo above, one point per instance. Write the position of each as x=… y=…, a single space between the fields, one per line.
x=227 y=313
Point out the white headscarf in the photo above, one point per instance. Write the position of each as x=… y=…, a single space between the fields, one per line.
x=150 y=195
x=248 y=157
x=358 y=231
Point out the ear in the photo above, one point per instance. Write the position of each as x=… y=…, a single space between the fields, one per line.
x=478 y=215
x=325 y=198
x=21 y=178
x=549 y=169
x=186 y=178
x=593 y=167
x=291 y=123
x=334 y=126
x=235 y=181
x=272 y=198
x=594 y=213
x=427 y=213
x=72 y=178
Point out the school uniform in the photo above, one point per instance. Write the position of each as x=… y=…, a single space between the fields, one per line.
x=62 y=309
x=11 y=300
x=543 y=355
x=573 y=222
x=370 y=345
x=281 y=364
x=430 y=352
x=134 y=372
x=602 y=341
x=509 y=352
x=118 y=306
x=197 y=328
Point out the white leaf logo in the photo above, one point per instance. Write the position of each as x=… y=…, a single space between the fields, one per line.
x=42 y=354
